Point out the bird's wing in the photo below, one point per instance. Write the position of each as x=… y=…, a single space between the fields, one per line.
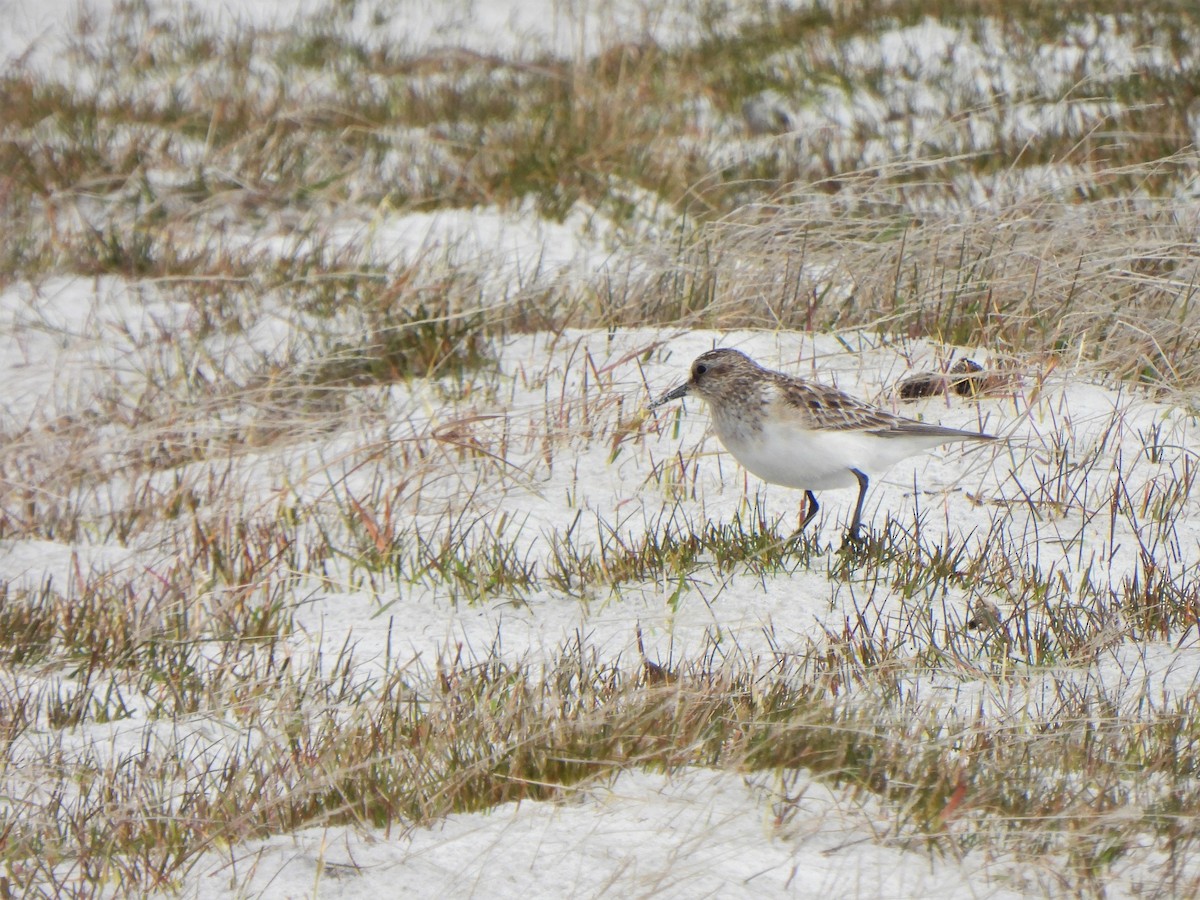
x=909 y=427
x=821 y=406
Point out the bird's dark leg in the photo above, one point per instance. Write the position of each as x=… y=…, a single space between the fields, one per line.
x=855 y=534
x=810 y=510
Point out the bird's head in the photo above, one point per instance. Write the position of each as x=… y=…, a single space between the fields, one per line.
x=715 y=376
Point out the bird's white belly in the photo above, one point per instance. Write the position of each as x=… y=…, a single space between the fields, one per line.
x=784 y=453
x=792 y=457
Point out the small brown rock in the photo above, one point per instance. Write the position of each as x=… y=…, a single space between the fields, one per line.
x=923 y=384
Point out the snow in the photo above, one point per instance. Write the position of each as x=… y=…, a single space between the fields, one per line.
x=519 y=29
x=68 y=343
x=691 y=833
x=30 y=565
x=517 y=249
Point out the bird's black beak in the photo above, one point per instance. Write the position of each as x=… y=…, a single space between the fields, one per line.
x=670 y=395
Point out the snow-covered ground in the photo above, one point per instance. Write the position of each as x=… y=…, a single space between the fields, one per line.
x=559 y=448
x=513 y=28
x=692 y=833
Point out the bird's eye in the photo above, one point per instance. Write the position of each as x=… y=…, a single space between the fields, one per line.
x=700 y=370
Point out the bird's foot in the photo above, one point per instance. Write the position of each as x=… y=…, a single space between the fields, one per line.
x=855 y=543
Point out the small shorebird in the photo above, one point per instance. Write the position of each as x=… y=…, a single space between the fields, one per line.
x=801 y=435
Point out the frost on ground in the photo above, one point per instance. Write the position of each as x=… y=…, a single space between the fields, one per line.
x=339 y=554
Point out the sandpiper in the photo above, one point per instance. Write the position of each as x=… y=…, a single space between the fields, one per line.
x=809 y=436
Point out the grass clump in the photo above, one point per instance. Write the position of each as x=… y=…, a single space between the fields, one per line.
x=467 y=735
